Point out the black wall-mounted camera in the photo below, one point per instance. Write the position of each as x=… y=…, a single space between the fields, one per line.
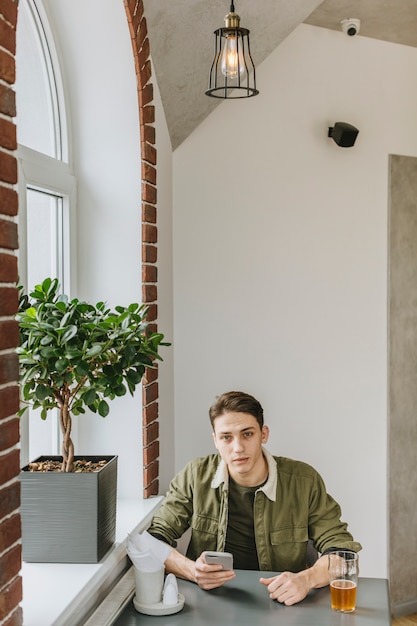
x=343 y=134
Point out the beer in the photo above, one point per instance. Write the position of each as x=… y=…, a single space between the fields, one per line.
x=343 y=595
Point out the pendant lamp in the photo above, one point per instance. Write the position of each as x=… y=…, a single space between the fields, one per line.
x=232 y=73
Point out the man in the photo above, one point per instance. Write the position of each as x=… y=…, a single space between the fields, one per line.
x=262 y=509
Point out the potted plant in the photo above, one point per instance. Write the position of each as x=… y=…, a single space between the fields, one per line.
x=75 y=356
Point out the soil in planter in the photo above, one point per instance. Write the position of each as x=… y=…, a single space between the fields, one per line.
x=55 y=466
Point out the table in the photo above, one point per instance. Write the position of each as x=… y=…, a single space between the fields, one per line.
x=245 y=602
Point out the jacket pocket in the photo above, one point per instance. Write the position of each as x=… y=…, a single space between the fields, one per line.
x=289 y=548
x=203 y=536
x=293 y=534
x=203 y=524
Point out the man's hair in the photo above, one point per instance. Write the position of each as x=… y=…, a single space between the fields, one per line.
x=237 y=402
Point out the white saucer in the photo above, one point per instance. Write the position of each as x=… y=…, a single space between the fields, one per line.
x=160 y=608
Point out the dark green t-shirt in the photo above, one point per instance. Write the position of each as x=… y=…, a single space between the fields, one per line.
x=240 y=538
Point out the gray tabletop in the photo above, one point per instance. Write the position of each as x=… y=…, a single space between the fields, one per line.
x=245 y=602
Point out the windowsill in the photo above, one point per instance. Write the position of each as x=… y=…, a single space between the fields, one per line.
x=64 y=594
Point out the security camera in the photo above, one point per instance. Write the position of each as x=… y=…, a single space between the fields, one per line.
x=350 y=26
x=343 y=134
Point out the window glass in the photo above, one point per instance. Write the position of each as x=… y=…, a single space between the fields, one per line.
x=44 y=251
x=36 y=100
x=44 y=236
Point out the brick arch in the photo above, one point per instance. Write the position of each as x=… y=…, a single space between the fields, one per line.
x=150 y=392
x=10 y=546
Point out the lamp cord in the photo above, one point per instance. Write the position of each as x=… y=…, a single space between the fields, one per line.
x=232 y=7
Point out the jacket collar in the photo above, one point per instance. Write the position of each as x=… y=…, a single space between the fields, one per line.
x=269 y=488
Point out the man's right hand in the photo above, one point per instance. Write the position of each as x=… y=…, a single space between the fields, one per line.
x=206 y=576
x=211 y=576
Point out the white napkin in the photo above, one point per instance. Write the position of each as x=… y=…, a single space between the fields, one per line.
x=147 y=553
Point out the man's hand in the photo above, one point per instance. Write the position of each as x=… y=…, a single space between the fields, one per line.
x=287 y=587
x=290 y=588
x=206 y=576
x=211 y=576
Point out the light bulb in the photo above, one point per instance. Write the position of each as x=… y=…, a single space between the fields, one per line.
x=233 y=61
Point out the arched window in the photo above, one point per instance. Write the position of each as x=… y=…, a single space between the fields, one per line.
x=46 y=184
x=47 y=187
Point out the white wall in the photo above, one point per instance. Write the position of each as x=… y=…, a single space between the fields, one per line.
x=98 y=67
x=280 y=263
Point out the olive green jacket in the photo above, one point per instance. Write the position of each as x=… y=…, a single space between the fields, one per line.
x=289 y=509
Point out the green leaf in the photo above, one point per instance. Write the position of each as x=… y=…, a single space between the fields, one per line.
x=48 y=353
x=58 y=381
x=103 y=408
x=82 y=368
x=120 y=390
x=61 y=365
x=131 y=387
x=69 y=333
x=72 y=353
x=134 y=377
x=95 y=349
x=45 y=285
x=90 y=396
x=130 y=353
x=42 y=392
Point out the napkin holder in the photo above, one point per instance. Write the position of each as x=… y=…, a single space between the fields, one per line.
x=154 y=596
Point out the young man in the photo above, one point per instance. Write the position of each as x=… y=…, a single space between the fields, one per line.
x=263 y=509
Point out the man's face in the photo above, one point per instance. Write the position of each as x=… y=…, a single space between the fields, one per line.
x=239 y=438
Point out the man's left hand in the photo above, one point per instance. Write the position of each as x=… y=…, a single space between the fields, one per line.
x=290 y=588
x=287 y=587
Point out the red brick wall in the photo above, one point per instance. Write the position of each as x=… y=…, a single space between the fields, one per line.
x=10 y=533
x=141 y=51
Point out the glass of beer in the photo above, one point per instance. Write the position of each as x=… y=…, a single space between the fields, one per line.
x=343 y=575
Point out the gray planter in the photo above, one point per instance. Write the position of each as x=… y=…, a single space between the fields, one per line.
x=68 y=517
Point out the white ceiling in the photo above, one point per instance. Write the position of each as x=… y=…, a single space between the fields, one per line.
x=182 y=41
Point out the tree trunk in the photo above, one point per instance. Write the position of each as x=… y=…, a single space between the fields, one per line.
x=67 y=445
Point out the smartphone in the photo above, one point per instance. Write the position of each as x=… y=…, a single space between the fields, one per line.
x=225 y=559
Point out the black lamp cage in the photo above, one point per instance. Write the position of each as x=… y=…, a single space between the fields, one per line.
x=244 y=84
